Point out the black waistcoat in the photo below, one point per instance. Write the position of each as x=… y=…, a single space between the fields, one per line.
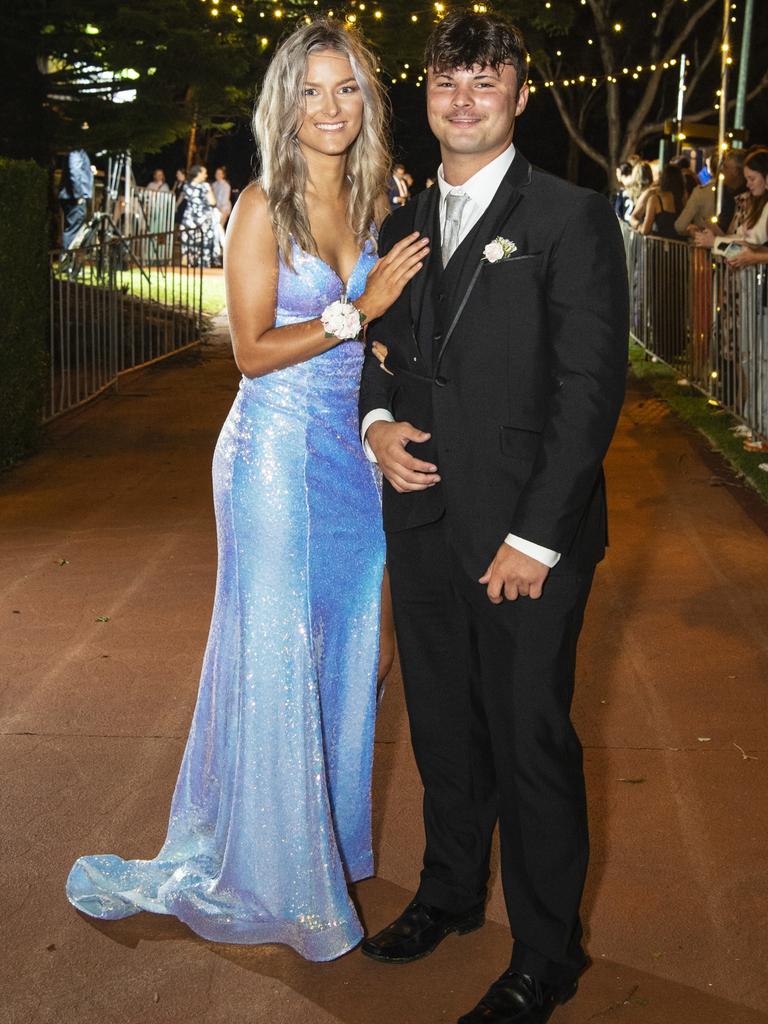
x=428 y=315
x=439 y=290
x=437 y=302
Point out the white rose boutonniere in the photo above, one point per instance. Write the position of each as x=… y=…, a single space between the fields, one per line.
x=499 y=249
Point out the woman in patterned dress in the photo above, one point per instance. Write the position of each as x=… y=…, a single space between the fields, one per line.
x=198 y=235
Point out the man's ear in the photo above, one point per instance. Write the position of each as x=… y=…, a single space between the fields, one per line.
x=522 y=99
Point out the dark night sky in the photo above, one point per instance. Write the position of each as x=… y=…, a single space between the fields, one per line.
x=539 y=134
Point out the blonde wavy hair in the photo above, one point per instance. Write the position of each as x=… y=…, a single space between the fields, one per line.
x=276 y=122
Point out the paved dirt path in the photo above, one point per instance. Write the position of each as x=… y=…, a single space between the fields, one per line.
x=113 y=518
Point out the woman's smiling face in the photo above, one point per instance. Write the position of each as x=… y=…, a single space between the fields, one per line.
x=333 y=104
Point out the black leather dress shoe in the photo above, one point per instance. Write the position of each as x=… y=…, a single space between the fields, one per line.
x=520 y=999
x=418 y=931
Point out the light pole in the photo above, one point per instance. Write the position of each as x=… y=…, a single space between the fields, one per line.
x=741 y=88
x=725 y=63
x=680 y=102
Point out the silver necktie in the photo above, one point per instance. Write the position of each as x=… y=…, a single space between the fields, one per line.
x=454 y=208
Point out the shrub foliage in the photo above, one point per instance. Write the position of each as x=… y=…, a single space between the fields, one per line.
x=23 y=305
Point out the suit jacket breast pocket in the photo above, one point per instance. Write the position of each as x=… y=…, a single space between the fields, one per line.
x=519 y=443
x=526 y=260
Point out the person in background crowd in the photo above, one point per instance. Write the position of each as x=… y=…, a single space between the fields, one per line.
x=749 y=257
x=732 y=170
x=707 y=173
x=75 y=191
x=178 y=191
x=700 y=208
x=223 y=192
x=665 y=205
x=750 y=223
x=622 y=200
x=158 y=183
x=397 y=189
x=151 y=215
x=198 y=237
x=749 y=233
x=690 y=181
x=640 y=189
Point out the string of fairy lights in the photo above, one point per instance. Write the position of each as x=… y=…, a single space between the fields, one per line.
x=357 y=11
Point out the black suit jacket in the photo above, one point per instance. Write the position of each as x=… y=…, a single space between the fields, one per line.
x=521 y=377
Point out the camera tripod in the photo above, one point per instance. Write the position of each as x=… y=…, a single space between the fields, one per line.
x=95 y=234
x=101 y=228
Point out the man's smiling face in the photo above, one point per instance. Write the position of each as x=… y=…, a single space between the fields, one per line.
x=473 y=110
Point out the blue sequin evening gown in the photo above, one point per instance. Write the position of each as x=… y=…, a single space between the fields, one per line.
x=271 y=816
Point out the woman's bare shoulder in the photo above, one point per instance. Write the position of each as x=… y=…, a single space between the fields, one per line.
x=250 y=216
x=252 y=201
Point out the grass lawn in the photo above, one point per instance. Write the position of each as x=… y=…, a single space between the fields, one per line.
x=155 y=285
x=214 y=298
x=160 y=288
x=711 y=420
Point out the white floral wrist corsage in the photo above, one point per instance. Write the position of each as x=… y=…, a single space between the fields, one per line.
x=342 y=320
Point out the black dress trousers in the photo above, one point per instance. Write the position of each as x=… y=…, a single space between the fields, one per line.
x=488 y=690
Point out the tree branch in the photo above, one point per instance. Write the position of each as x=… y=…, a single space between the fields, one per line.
x=684 y=32
x=600 y=12
x=635 y=123
x=702 y=66
x=699 y=115
x=575 y=134
x=586 y=105
x=661 y=20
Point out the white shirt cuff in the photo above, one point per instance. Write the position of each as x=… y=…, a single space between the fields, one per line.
x=544 y=555
x=374 y=416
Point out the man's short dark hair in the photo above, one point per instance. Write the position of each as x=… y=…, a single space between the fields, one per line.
x=464 y=39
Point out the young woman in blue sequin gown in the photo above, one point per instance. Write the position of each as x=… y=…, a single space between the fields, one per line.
x=270 y=818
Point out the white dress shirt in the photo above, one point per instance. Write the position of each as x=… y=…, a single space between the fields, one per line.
x=481 y=188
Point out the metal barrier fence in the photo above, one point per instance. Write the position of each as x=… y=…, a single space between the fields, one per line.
x=158 y=209
x=705 y=319
x=117 y=304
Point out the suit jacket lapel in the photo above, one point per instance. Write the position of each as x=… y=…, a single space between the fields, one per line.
x=509 y=193
x=424 y=220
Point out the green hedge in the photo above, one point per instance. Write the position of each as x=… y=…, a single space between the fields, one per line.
x=23 y=305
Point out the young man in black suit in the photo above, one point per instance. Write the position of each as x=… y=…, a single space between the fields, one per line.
x=505 y=375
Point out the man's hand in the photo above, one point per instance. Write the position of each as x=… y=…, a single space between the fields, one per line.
x=512 y=574
x=388 y=441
